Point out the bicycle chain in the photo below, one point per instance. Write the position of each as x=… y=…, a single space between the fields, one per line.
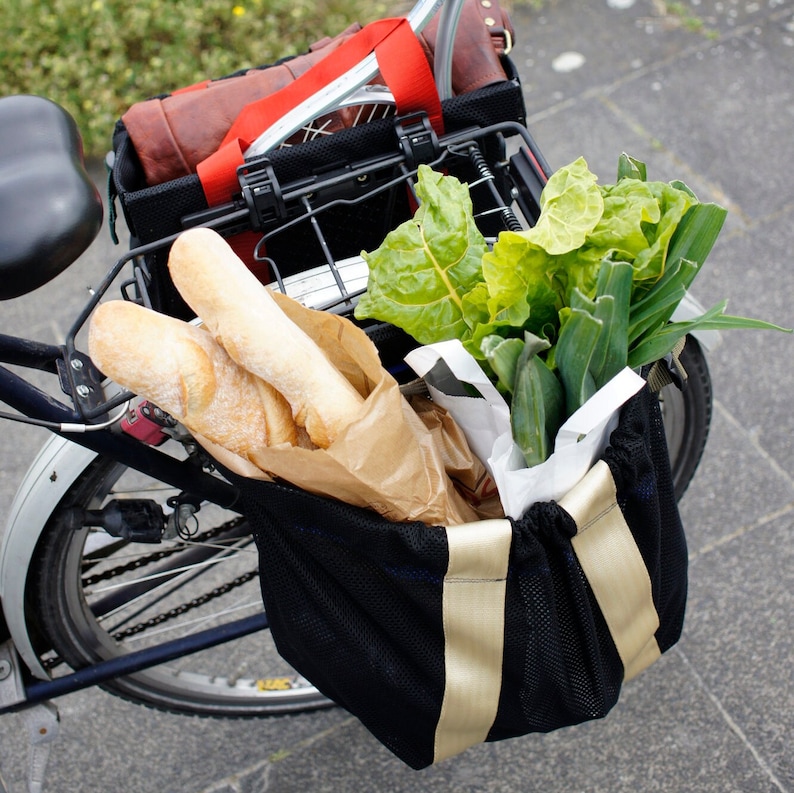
x=177 y=611
x=55 y=660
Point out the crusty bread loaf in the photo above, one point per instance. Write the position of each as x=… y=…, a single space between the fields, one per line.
x=183 y=370
x=244 y=318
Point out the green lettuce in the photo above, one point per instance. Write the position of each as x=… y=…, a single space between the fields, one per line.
x=435 y=277
x=421 y=274
x=571 y=205
x=590 y=289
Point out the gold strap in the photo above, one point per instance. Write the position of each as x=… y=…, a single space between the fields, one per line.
x=473 y=610
x=659 y=375
x=614 y=568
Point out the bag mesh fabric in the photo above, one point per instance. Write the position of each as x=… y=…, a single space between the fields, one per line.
x=355 y=602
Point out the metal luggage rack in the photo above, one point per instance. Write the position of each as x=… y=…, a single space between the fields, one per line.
x=505 y=191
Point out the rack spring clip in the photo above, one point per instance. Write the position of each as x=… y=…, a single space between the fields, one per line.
x=417 y=139
x=261 y=193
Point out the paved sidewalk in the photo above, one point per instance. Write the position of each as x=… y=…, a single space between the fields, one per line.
x=705 y=95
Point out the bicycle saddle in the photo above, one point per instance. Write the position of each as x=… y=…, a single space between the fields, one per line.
x=50 y=210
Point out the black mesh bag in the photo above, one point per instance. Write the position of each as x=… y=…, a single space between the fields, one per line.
x=366 y=609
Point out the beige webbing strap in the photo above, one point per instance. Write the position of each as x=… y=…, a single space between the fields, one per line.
x=473 y=612
x=614 y=568
x=659 y=375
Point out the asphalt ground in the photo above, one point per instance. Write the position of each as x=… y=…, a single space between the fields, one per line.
x=700 y=91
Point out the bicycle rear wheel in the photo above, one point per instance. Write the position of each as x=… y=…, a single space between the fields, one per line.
x=95 y=597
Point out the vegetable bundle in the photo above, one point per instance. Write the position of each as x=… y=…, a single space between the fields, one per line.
x=554 y=312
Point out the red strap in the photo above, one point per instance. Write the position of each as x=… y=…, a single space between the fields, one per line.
x=218 y=173
x=402 y=64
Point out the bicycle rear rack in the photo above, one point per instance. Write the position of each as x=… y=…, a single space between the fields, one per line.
x=331 y=275
x=275 y=210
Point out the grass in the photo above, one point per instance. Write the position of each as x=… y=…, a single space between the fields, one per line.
x=97 y=57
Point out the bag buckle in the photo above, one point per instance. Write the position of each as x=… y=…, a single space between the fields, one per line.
x=262 y=194
x=417 y=139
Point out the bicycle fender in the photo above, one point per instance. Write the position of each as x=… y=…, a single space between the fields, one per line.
x=54 y=470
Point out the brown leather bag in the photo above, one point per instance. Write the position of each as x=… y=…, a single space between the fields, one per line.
x=172 y=135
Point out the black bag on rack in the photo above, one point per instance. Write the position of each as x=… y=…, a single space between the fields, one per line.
x=154 y=211
x=440 y=638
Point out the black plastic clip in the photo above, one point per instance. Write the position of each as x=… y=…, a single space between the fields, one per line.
x=417 y=139
x=261 y=193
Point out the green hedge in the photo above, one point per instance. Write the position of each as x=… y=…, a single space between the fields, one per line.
x=96 y=57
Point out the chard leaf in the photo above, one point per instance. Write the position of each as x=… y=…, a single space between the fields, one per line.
x=570 y=207
x=521 y=284
x=420 y=274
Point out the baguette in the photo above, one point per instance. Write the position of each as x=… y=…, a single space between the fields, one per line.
x=184 y=371
x=244 y=318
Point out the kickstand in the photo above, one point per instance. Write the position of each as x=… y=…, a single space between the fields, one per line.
x=41 y=719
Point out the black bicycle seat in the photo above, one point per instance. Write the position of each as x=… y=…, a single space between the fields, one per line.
x=50 y=210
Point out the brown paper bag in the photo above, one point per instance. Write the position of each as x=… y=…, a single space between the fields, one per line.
x=391 y=459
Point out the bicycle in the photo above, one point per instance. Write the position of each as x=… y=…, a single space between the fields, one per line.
x=134 y=492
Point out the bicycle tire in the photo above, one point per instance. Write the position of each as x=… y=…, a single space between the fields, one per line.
x=69 y=577
x=687 y=416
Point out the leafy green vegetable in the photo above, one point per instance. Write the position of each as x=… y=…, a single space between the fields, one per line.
x=611 y=306
x=660 y=343
x=422 y=272
x=570 y=207
x=629 y=168
x=502 y=355
x=574 y=355
x=538 y=406
x=555 y=311
x=537 y=396
x=522 y=290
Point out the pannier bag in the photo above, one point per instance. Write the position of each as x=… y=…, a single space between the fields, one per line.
x=441 y=638
x=162 y=156
x=172 y=134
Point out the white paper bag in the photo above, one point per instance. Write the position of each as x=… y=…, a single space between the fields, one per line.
x=451 y=374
